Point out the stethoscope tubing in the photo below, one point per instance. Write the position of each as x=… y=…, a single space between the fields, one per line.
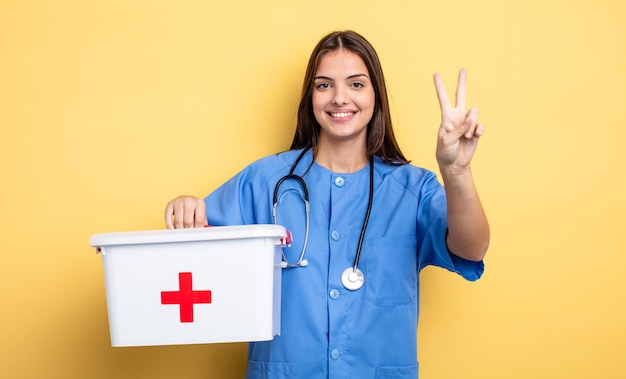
x=370 y=201
x=352 y=277
x=301 y=261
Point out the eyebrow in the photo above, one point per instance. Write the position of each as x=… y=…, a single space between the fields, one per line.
x=349 y=77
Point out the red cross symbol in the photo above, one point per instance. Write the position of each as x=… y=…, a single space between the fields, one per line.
x=186 y=297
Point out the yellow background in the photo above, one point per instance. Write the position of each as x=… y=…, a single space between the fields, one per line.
x=108 y=109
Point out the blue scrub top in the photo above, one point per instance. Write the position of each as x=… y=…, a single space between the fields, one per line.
x=328 y=331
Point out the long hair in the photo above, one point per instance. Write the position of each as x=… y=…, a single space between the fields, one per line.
x=381 y=140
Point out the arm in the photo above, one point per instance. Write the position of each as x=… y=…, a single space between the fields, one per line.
x=468 y=229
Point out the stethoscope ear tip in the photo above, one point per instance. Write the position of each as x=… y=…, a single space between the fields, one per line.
x=302 y=263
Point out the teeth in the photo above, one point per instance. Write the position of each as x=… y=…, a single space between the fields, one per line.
x=342 y=114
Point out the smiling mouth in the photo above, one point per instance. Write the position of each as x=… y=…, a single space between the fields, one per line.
x=341 y=114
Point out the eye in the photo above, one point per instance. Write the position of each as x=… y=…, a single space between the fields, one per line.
x=322 y=85
x=357 y=85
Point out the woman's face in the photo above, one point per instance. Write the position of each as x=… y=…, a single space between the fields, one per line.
x=343 y=96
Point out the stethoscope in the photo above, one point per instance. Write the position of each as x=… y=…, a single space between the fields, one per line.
x=352 y=277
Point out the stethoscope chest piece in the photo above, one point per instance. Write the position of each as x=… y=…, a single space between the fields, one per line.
x=352 y=278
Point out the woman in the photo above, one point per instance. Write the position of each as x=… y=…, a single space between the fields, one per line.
x=350 y=308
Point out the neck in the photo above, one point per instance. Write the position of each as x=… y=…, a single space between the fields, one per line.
x=341 y=159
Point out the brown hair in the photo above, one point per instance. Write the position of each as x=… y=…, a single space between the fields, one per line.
x=380 y=137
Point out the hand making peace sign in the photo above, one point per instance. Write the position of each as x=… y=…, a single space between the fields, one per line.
x=459 y=131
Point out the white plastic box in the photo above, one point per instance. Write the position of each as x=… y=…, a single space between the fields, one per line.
x=189 y=286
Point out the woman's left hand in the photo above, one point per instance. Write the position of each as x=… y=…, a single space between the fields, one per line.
x=459 y=131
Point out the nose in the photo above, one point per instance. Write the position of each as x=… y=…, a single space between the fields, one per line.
x=340 y=96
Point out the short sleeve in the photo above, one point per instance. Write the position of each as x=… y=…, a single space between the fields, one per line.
x=231 y=203
x=434 y=252
x=246 y=197
x=433 y=226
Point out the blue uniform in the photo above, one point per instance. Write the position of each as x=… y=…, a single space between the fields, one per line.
x=328 y=331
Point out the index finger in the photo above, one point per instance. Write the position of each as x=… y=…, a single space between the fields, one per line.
x=442 y=95
x=200 y=213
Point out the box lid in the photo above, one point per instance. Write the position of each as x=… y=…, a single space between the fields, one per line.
x=190 y=234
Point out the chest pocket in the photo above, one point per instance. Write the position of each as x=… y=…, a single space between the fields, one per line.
x=391 y=271
x=408 y=372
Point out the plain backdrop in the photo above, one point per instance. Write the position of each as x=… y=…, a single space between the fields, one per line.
x=108 y=109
